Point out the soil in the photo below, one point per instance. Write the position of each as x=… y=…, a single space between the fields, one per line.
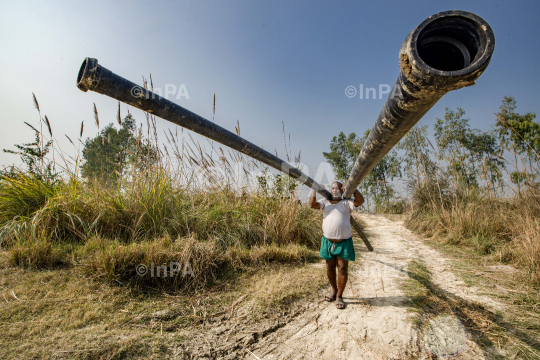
x=378 y=322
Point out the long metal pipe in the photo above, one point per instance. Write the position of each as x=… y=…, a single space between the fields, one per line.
x=95 y=77
x=447 y=51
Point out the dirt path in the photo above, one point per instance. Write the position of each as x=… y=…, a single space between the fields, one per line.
x=377 y=323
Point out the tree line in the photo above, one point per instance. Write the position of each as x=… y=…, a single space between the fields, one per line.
x=463 y=156
x=109 y=156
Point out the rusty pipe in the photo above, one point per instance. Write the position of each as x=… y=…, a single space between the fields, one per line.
x=95 y=77
x=447 y=51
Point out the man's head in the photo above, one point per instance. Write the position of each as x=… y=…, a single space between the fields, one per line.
x=336 y=190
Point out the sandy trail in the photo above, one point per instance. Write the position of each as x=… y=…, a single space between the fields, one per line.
x=377 y=323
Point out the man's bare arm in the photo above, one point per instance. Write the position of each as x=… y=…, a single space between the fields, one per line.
x=358 y=198
x=313 y=201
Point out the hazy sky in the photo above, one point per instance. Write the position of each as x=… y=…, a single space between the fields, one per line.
x=267 y=62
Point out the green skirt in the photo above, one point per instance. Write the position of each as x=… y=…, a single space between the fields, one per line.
x=344 y=249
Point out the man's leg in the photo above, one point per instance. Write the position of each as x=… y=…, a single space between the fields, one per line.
x=343 y=274
x=331 y=273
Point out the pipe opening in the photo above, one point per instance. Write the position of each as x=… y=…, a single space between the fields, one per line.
x=451 y=43
x=81 y=71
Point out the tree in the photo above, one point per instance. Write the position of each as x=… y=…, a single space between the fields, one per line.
x=112 y=151
x=520 y=135
x=417 y=162
x=34 y=156
x=279 y=186
x=468 y=152
x=344 y=150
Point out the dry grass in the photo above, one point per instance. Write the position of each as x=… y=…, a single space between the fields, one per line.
x=527 y=240
x=71 y=247
x=200 y=264
x=120 y=263
x=150 y=206
x=477 y=229
x=275 y=288
x=507 y=229
x=64 y=313
x=37 y=254
x=111 y=233
x=188 y=205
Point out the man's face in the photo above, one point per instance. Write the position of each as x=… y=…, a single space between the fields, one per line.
x=335 y=190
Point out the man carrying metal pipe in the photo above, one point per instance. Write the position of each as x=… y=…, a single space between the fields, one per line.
x=447 y=51
x=336 y=244
x=95 y=77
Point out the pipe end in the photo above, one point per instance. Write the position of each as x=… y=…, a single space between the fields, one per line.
x=87 y=74
x=451 y=44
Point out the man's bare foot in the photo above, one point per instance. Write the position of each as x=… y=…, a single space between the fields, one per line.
x=330 y=298
x=340 y=304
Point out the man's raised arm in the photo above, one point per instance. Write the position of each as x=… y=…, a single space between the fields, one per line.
x=358 y=198
x=313 y=201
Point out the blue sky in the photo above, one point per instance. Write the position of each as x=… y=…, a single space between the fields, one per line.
x=267 y=62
